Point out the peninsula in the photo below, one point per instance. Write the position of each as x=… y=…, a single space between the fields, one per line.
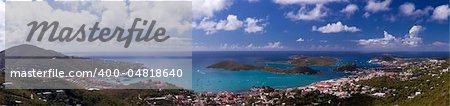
x=235 y=66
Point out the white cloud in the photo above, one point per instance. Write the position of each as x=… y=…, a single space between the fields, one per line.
x=253 y=1
x=289 y=2
x=377 y=6
x=316 y=13
x=300 y=40
x=232 y=23
x=440 y=44
x=386 y=42
x=441 y=13
x=366 y=15
x=251 y=46
x=230 y=46
x=409 y=9
x=252 y=25
x=412 y=39
x=210 y=27
x=335 y=28
x=350 y=9
x=273 y=45
x=207 y=8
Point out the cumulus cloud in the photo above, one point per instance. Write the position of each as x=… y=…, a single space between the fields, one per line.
x=316 y=13
x=289 y=2
x=409 y=9
x=377 y=6
x=350 y=9
x=254 y=25
x=412 y=39
x=211 y=27
x=232 y=23
x=441 y=13
x=207 y=8
x=300 y=40
x=387 y=41
x=335 y=28
x=273 y=45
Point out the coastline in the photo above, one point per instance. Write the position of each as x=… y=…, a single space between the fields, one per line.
x=342 y=88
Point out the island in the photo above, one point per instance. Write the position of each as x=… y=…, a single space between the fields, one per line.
x=311 y=61
x=300 y=60
x=235 y=66
x=349 y=67
x=383 y=59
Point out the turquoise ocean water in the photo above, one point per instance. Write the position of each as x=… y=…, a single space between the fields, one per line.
x=205 y=79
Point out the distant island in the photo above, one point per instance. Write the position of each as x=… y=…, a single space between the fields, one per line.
x=235 y=66
x=383 y=59
x=311 y=61
x=299 y=60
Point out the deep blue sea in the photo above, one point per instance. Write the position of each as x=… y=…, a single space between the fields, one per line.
x=205 y=79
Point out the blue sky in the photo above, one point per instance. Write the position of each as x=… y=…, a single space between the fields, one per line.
x=321 y=25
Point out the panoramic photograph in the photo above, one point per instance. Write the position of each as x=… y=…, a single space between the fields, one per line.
x=225 y=52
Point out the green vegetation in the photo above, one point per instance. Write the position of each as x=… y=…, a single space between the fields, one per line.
x=311 y=61
x=235 y=66
x=434 y=91
x=300 y=98
x=232 y=65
